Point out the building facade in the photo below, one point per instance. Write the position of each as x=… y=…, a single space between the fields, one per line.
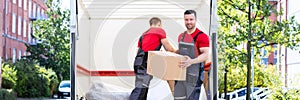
x=16 y=26
x=273 y=57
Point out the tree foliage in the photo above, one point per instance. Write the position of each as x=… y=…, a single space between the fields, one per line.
x=236 y=78
x=8 y=76
x=53 y=49
x=32 y=80
x=265 y=33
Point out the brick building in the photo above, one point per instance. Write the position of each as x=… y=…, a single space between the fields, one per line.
x=273 y=57
x=17 y=16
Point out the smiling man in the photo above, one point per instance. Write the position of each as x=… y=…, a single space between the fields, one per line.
x=194 y=44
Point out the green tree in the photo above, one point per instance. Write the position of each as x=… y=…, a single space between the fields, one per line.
x=53 y=49
x=233 y=35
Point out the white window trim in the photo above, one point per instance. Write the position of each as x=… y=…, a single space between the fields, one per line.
x=14 y=1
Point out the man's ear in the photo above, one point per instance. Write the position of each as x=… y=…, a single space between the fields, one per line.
x=159 y=24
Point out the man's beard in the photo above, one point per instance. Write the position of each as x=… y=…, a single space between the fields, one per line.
x=189 y=27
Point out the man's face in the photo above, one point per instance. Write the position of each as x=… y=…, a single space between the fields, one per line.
x=190 y=21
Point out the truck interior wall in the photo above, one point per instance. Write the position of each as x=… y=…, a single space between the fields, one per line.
x=108 y=40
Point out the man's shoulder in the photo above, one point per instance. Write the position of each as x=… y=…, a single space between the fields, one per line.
x=157 y=29
x=201 y=33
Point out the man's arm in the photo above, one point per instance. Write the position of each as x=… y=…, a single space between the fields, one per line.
x=201 y=58
x=167 y=45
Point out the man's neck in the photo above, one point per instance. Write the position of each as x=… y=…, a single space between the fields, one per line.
x=153 y=26
x=191 y=30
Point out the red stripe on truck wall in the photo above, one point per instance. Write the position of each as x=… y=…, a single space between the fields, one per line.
x=105 y=73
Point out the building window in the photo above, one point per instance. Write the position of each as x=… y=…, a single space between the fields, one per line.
x=14 y=1
x=29 y=33
x=264 y=53
x=20 y=54
x=42 y=14
x=13 y=23
x=14 y=55
x=34 y=11
x=20 y=3
x=24 y=28
x=25 y=4
x=29 y=8
x=6 y=8
x=38 y=12
x=19 y=25
x=24 y=53
x=6 y=57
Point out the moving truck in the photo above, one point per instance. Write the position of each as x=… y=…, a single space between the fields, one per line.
x=105 y=35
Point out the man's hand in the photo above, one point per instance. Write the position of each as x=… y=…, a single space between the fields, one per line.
x=186 y=63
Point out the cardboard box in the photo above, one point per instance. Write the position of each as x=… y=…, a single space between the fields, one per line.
x=164 y=65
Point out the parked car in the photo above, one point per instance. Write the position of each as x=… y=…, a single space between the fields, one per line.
x=64 y=89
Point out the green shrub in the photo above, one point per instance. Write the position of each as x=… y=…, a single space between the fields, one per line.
x=236 y=77
x=6 y=94
x=279 y=92
x=285 y=94
x=33 y=80
x=8 y=76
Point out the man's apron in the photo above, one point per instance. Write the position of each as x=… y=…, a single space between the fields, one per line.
x=191 y=87
x=142 y=79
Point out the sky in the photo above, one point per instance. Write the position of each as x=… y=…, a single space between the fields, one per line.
x=294 y=9
x=65 y=4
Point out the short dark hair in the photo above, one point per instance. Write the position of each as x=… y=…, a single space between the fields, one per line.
x=154 y=21
x=190 y=12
